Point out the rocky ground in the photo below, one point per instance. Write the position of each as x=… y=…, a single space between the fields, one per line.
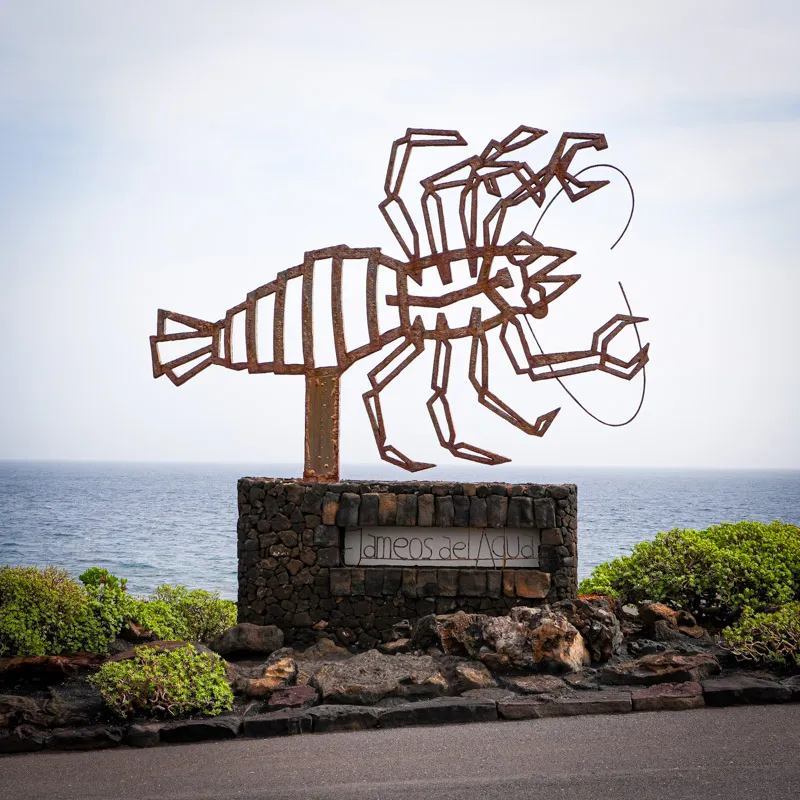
x=576 y=657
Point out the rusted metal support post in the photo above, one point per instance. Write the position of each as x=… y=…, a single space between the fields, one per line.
x=322 y=427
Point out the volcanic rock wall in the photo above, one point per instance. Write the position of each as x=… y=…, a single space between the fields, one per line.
x=291 y=553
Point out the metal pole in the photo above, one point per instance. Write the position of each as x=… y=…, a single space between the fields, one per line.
x=322 y=427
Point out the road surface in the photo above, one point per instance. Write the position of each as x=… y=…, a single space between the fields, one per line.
x=727 y=753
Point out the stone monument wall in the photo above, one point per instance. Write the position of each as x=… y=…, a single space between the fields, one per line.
x=356 y=558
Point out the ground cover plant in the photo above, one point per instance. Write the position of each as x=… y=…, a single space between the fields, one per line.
x=716 y=574
x=160 y=683
x=771 y=638
x=44 y=611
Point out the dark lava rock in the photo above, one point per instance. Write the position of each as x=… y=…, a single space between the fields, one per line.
x=645 y=647
x=445 y=711
x=329 y=719
x=594 y=703
x=368 y=677
x=75 y=703
x=585 y=681
x=201 y=730
x=278 y=723
x=248 y=638
x=793 y=684
x=492 y=693
x=97 y=737
x=743 y=689
x=23 y=739
x=146 y=734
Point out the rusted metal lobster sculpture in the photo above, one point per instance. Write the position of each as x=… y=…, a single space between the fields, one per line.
x=517 y=275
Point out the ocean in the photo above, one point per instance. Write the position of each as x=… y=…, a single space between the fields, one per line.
x=176 y=523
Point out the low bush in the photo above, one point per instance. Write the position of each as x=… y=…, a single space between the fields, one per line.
x=771 y=638
x=108 y=602
x=175 y=612
x=46 y=612
x=204 y=615
x=160 y=683
x=159 y=617
x=716 y=574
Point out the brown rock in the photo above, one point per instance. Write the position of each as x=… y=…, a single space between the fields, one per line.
x=391 y=648
x=595 y=620
x=461 y=633
x=387 y=509
x=275 y=676
x=534 y=684
x=48 y=669
x=559 y=647
x=531 y=583
x=323 y=650
x=330 y=505
x=293 y=697
x=468 y=675
x=669 y=667
x=136 y=634
x=666 y=624
x=668 y=697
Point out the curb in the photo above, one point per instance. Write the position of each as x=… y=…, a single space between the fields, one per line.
x=714 y=692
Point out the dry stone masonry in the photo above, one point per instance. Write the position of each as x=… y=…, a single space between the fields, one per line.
x=297 y=572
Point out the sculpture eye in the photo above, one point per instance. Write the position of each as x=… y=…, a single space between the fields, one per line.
x=539 y=310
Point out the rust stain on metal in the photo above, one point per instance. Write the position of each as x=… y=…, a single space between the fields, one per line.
x=487 y=187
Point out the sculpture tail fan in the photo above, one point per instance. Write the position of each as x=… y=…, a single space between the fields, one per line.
x=199 y=340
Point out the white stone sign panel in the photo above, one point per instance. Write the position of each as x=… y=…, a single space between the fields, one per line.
x=441 y=547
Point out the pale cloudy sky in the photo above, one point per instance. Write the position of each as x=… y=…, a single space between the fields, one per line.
x=178 y=154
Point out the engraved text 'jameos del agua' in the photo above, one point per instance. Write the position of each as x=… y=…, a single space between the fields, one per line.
x=445 y=547
x=516 y=273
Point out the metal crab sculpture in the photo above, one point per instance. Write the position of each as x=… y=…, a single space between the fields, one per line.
x=518 y=275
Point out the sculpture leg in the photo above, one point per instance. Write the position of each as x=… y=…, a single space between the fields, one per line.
x=400 y=357
x=439 y=409
x=490 y=400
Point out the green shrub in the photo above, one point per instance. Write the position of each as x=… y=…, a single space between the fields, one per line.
x=100 y=577
x=175 y=612
x=162 y=683
x=46 y=612
x=159 y=617
x=715 y=574
x=772 y=638
x=108 y=601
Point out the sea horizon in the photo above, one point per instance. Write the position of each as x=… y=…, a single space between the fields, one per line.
x=172 y=522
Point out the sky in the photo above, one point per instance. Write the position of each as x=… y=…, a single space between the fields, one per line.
x=179 y=154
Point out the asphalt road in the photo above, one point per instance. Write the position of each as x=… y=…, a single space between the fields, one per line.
x=731 y=753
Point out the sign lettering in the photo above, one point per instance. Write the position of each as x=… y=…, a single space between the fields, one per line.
x=445 y=547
